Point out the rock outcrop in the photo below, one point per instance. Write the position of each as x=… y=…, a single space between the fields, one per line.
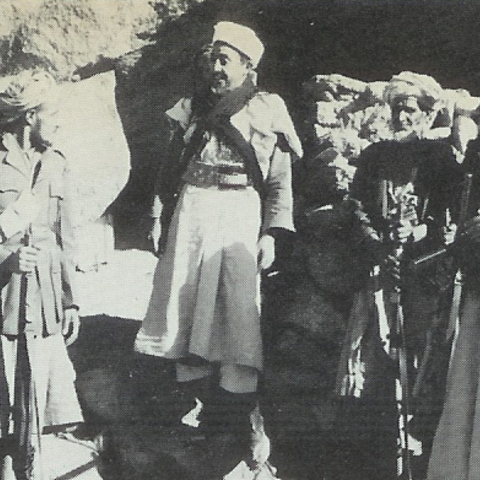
x=70 y=35
x=344 y=111
x=349 y=114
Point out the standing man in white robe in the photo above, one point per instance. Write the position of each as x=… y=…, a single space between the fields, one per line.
x=224 y=192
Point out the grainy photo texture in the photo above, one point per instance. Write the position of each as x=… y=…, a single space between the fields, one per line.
x=239 y=240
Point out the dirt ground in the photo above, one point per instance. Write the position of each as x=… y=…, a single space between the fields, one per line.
x=313 y=435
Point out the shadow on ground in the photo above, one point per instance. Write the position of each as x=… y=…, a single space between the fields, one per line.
x=122 y=396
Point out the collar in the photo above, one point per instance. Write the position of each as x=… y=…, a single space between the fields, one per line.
x=16 y=157
x=213 y=109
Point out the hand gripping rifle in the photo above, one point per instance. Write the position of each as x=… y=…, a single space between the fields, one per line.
x=397 y=332
x=464 y=203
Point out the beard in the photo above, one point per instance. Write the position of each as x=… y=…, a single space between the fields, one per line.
x=220 y=84
x=39 y=142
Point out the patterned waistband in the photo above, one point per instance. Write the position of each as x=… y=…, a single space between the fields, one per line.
x=221 y=176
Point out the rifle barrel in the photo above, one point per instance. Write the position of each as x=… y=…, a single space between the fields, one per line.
x=429 y=256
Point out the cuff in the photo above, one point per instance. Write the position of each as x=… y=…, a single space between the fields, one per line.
x=72 y=306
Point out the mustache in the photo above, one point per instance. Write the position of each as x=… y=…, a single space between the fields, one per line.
x=219 y=76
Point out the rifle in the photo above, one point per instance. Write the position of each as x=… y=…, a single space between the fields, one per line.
x=457 y=286
x=24 y=411
x=458 y=282
x=397 y=338
x=23 y=391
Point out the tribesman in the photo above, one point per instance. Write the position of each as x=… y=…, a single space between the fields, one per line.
x=409 y=188
x=39 y=313
x=228 y=192
x=455 y=451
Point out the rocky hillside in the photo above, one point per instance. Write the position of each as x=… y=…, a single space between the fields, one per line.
x=304 y=38
x=69 y=35
x=150 y=44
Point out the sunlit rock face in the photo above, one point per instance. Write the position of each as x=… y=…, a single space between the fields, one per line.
x=69 y=35
x=75 y=40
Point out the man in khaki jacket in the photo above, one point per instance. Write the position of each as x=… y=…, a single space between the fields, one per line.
x=38 y=305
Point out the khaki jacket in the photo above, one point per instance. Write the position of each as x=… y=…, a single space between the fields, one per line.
x=49 y=287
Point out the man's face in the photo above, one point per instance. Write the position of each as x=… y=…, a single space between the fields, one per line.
x=229 y=69
x=408 y=117
x=44 y=125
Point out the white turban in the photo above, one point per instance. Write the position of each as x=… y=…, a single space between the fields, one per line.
x=241 y=38
x=24 y=91
x=408 y=84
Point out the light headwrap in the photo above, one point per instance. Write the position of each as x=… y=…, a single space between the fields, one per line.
x=424 y=88
x=241 y=38
x=22 y=92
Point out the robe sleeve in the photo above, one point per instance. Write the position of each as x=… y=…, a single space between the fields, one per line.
x=278 y=201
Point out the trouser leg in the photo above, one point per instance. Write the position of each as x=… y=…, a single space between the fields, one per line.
x=6 y=446
x=238 y=378
x=227 y=418
x=229 y=409
x=195 y=382
x=186 y=373
x=7 y=468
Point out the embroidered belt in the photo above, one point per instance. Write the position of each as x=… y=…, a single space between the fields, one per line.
x=221 y=176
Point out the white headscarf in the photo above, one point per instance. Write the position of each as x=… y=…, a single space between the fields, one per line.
x=24 y=91
x=423 y=87
x=241 y=38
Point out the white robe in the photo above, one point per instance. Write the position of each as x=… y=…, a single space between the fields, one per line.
x=206 y=288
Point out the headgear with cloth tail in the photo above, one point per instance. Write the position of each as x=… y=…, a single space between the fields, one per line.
x=424 y=88
x=25 y=91
x=241 y=38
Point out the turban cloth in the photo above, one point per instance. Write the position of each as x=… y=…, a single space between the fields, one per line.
x=22 y=92
x=424 y=88
x=241 y=38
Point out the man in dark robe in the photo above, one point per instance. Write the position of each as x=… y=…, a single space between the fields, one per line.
x=409 y=188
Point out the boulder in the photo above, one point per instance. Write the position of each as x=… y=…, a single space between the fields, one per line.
x=69 y=35
x=333 y=87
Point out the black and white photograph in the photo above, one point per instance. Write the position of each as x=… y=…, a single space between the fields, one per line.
x=239 y=240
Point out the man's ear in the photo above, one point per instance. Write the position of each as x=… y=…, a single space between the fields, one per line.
x=30 y=116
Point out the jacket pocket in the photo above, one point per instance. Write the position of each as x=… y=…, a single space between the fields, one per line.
x=8 y=192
